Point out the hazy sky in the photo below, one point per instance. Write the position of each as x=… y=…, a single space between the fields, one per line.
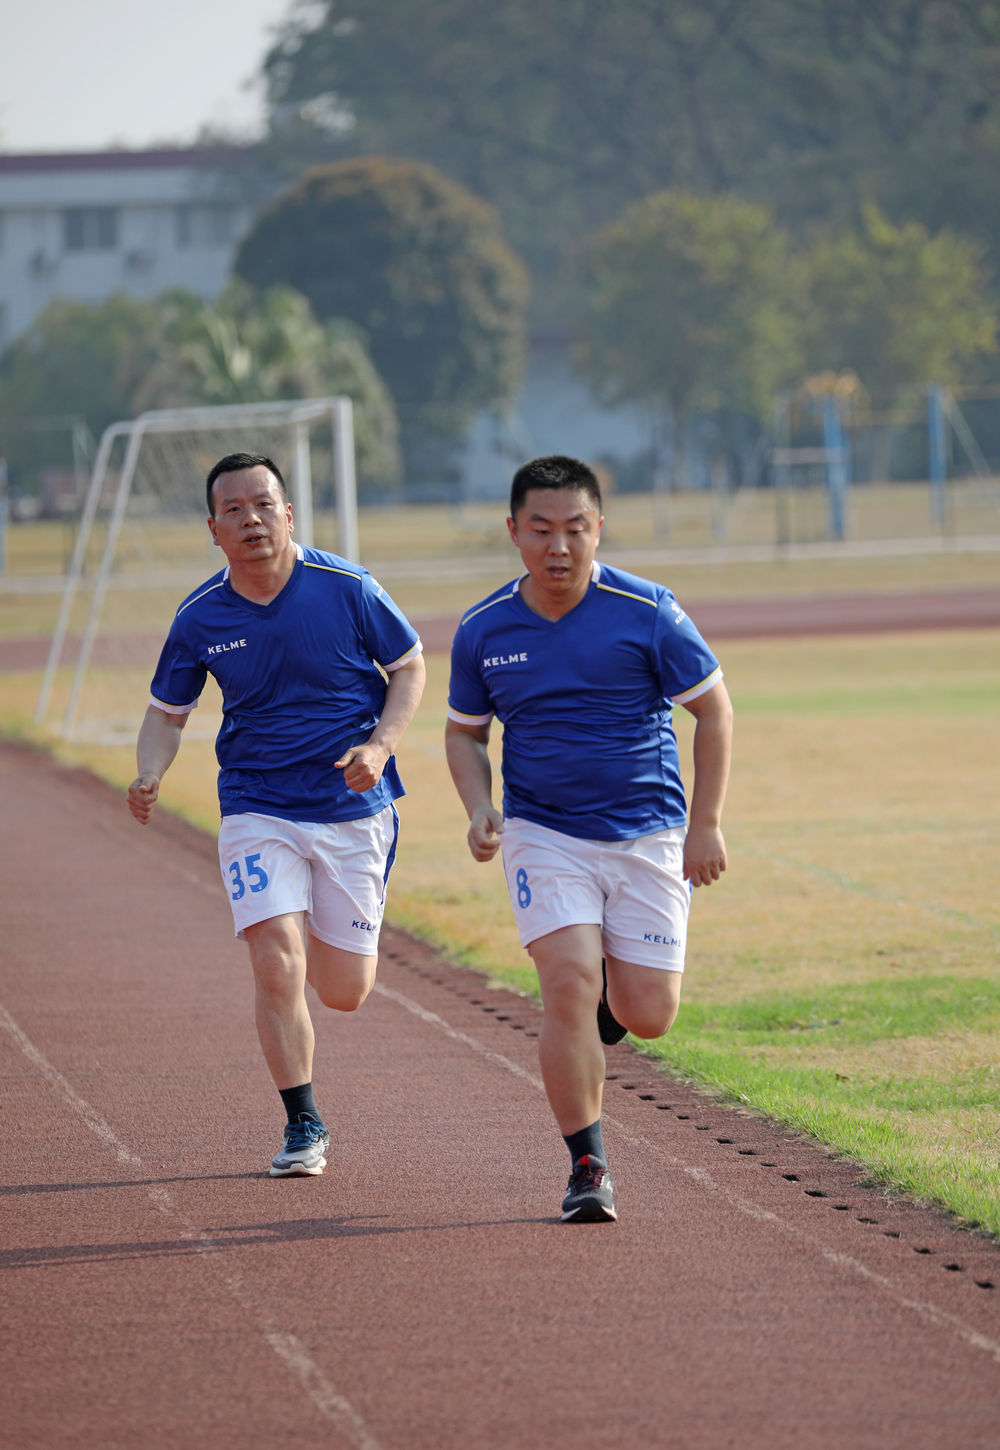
x=78 y=75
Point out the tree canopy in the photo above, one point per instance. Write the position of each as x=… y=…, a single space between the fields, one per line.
x=561 y=112
x=415 y=261
x=79 y=361
x=115 y=359
x=699 y=303
x=692 y=302
x=250 y=345
x=896 y=305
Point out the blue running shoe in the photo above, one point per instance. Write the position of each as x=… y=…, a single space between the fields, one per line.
x=590 y=1193
x=306 y=1143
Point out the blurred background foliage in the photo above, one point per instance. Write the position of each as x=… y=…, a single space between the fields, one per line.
x=420 y=265
x=562 y=113
x=695 y=206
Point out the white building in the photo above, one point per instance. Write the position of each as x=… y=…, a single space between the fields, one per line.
x=86 y=225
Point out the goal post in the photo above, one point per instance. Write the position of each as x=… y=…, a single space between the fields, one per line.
x=142 y=543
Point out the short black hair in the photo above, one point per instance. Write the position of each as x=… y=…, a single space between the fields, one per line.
x=555 y=470
x=236 y=463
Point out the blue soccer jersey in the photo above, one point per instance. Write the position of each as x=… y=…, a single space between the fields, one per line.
x=585 y=702
x=299 y=685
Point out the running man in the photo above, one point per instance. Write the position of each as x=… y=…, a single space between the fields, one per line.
x=582 y=665
x=298 y=641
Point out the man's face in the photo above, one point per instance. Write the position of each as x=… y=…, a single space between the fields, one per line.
x=556 y=531
x=252 y=521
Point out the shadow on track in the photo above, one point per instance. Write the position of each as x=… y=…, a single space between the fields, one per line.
x=210 y=1241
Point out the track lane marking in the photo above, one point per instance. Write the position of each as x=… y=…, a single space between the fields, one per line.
x=940 y=1318
x=330 y=1403
x=328 y=1400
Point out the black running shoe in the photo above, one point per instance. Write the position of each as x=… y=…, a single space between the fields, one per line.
x=590 y=1193
x=608 y=1026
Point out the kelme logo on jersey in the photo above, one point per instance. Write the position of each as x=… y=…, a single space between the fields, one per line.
x=490 y=661
x=363 y=925
x=221 y=649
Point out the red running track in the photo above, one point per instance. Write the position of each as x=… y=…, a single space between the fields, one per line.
x=718 y=619
x=159 y=1291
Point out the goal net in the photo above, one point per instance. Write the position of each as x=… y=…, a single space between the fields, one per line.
x=143 y=545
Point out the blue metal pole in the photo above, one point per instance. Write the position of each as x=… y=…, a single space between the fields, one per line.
x=4 y=515
x=836 y=476
x=938 y=458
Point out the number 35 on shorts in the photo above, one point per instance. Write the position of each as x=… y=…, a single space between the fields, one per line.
x=250 y=873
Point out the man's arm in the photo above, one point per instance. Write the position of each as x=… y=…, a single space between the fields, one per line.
x=467 y=749
x=363 y=764
x=158 y=743
x=704 y=846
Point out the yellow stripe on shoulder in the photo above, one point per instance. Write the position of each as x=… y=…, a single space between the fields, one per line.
x=488 y=605
x=332 y=569
x=627 y=594
x=188 y=602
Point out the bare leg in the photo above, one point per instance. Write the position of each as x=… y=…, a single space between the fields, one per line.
x=341 y=979
x=278 y=956
x=643 y=999
x=568 y=962
x=284 y=1027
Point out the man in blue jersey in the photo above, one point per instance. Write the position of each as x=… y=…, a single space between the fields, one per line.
x=582 y=665
x=320 y=674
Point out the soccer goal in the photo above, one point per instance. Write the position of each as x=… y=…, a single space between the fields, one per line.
x=143 y=544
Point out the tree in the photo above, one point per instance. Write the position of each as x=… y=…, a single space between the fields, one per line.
x=691 y=306
x=75 y=361
x=561 y=112
x=258 y=346
x=419 y=264
x=558 y=111
x=897 y=305
x=115 y=359
x=897 y=102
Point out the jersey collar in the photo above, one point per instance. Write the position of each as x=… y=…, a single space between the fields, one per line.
x=595 y=574
x=298 y=551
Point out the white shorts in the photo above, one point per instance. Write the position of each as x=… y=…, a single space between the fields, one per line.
x=633 y=890
x=336 y=872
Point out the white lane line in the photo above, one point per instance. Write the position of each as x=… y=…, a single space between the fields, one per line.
x=80 y=1106
x=938 y=1317
x=433 y=1020
x=331 y=1404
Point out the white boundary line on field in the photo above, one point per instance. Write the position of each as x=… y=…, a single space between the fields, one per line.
x=335 y=1407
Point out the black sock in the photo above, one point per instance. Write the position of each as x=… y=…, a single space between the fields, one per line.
x=587 y=1140
x=299 y=1100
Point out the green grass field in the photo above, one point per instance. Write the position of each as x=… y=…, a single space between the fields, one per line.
x=842 y=978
